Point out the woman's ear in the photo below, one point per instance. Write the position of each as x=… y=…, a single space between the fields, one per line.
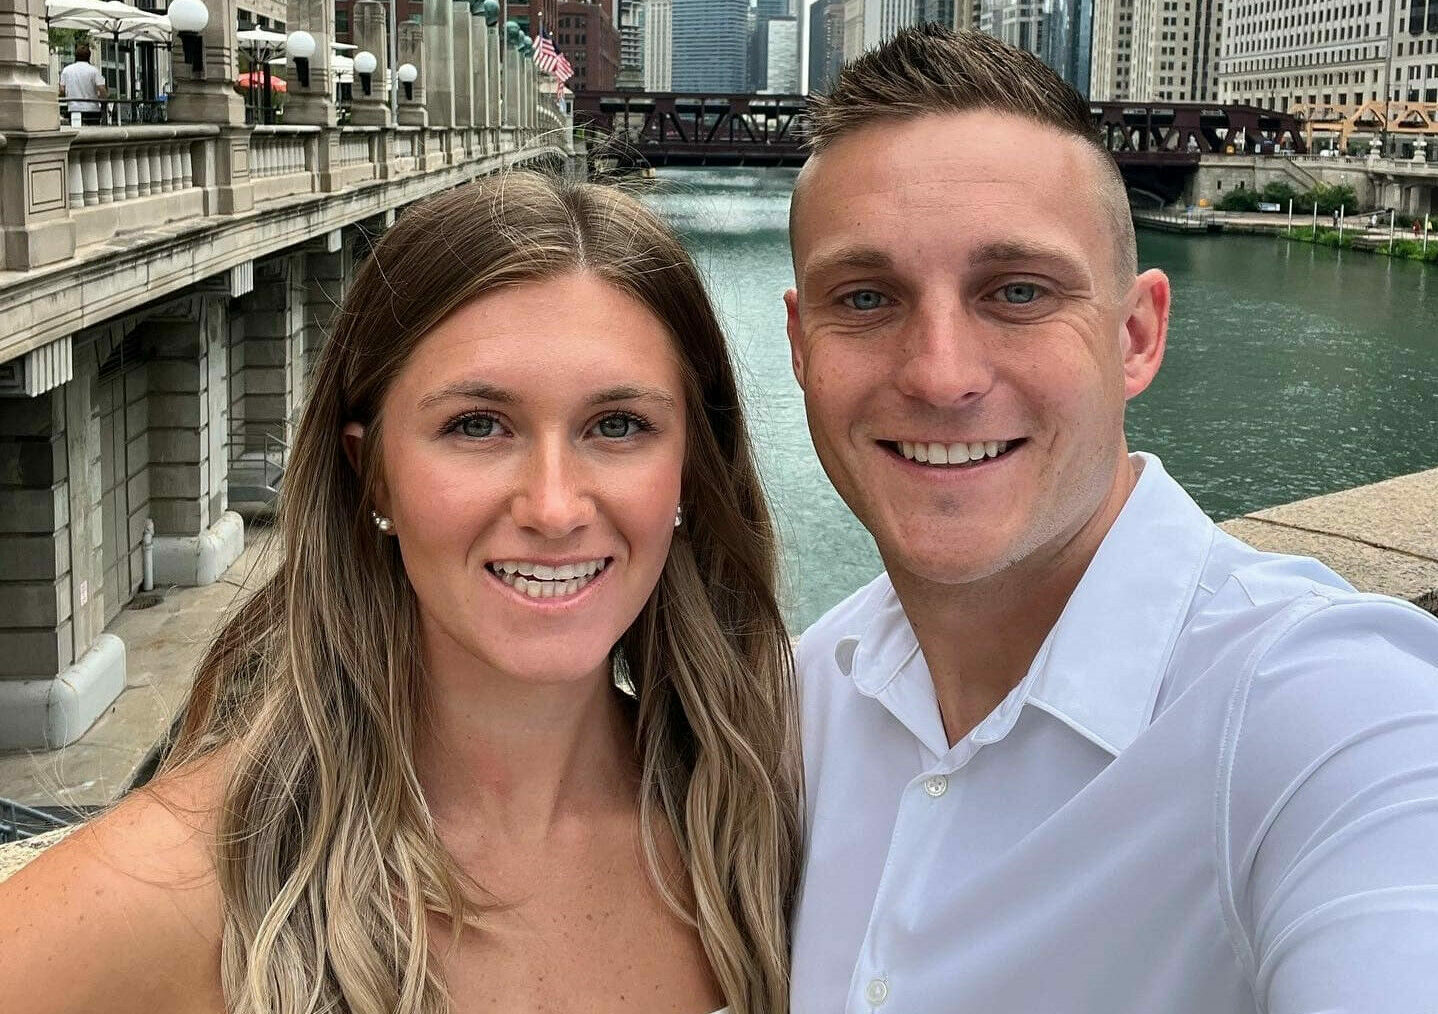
x=353 y=439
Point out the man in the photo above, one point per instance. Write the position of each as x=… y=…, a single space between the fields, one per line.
x=1077 y=750
x=83 y=83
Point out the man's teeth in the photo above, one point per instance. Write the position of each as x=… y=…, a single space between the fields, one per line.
x=952 y=454
x=540 y=581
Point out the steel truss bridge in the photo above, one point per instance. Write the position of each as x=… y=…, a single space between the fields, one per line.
x=638 y=130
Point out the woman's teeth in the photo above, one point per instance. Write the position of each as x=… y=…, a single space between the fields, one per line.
x=952 y=454
x=540 y=581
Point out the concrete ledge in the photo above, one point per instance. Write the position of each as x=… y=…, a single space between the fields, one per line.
x=194 y=560
x=1382 y=538
x=46 y=714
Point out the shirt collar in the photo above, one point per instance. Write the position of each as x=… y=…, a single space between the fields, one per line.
x=1101 y=667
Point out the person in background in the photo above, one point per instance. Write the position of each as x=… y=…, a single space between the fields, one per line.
x=83 y=85
x=1077 y=751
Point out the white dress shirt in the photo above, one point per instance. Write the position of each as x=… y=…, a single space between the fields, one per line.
x=1216 y=790
x=82 y=81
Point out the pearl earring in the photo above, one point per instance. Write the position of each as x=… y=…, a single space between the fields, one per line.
x=678 y=515
x=384 y=524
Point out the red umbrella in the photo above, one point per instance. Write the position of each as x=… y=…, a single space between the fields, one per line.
x=255 y=79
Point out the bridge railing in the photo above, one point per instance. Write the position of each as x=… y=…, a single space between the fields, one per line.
x=114 y=181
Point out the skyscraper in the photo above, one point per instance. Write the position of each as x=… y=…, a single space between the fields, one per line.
x=658 y=45
x=1059 y=32
x=826 y=43
x=710 y=44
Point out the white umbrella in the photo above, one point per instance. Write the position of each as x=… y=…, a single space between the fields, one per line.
x=108 y=17
x=258 y=38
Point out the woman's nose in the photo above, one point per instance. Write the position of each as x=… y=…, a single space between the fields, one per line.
x=553 y=499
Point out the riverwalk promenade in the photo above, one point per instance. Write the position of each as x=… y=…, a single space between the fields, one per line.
x=1381 y=537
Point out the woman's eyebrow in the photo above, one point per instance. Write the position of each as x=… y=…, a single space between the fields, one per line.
x=630 y=393
x=476 y=390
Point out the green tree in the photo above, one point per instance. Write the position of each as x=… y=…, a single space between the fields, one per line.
x=1280 y=192
x=1239 y=200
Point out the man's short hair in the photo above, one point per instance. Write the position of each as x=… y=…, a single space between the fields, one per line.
x=82 y=53
x=931 y=69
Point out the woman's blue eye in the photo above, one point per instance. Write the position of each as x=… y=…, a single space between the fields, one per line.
x=617 y=427
x=1020 y=292
x=865 y=299
x=477 y=426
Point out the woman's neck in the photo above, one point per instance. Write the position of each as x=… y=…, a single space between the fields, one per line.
x=518 y=755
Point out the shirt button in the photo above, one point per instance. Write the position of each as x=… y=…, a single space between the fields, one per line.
x=936 y=785
x=876 y=992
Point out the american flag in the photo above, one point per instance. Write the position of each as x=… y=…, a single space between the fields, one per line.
x=550 y=60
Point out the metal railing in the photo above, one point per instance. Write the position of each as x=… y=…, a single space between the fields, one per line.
x=18 y=821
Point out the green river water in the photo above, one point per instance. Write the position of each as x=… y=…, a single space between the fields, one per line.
x=1291 y=370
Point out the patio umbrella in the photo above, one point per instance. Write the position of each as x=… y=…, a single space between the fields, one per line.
x=256 y=79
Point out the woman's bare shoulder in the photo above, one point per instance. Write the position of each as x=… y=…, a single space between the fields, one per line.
x=124 y=913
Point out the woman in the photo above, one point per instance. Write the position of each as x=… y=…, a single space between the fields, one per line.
x=522 y=477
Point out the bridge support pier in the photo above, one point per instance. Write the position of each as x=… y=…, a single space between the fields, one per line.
x=58 y=671
x=196 y=536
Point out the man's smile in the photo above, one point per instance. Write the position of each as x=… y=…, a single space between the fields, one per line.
x=965 y=454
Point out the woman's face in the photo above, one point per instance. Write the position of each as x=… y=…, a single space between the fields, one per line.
x=533 y=447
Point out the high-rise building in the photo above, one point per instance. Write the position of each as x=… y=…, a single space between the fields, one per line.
x=658 y=45
x=1156 y=50
x=631 y=44
x=588 y=38
x=710 y=46
x=776 y=56
x=1414 y=76
x=1059 y=32
x=826 y=43
x=1325 y=52
x=939 y=12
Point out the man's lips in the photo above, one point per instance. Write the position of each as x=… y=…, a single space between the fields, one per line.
x=950 y=455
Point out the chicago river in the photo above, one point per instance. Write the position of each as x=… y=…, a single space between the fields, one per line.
x=1291 y=370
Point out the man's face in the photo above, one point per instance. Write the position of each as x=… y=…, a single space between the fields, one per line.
x=963 y=342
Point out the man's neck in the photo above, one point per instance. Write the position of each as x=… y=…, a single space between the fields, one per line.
x=980 y=638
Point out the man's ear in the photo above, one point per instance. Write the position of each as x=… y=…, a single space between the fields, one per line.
x=1145 y=331
x=796 y=337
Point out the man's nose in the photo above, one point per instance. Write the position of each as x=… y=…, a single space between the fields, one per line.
x=554 y=499
x=946 y=360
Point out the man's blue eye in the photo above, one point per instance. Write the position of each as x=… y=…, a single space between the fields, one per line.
x=865 y=299
x=1020 y=292
x=476 y=426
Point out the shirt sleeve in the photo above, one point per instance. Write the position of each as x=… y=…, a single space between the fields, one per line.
x=1328 y=813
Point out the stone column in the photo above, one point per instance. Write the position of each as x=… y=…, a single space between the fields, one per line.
x=327 y=278
x=196 y=536
x=274 y=336
x=58 y=670
x=511 y=86
x=411 y=49
x=463 y=56
x=27 y=102
x=438 y=47
x=221 y=168
x=479 y=80
x=371 y=34
x=313 y=103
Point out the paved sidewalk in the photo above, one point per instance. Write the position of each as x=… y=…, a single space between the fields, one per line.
x=1382 y=538
x=163 y=645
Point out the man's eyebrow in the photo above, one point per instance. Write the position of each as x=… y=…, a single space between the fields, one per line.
x=1009 y=251
x=850 y=257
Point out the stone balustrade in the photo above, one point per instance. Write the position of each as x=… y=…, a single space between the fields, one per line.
x=280 y=151
x=123 y=178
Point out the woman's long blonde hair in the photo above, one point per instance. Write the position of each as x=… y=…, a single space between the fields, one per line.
x=329 y=861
